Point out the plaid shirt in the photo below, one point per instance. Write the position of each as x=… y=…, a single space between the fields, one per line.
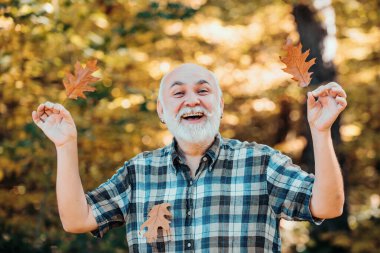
x=234 y=203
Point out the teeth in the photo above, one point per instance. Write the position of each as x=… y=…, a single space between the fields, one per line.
x=192 y=114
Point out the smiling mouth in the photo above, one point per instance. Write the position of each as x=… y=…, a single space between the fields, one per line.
x=192 y=116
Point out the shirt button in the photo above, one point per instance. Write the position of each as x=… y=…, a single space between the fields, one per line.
x=191 y=183
x=189 y=245
x=188 y=213
x=204 y=159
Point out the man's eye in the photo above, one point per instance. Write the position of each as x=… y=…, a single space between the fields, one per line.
x=203 y=91
x=178 y=93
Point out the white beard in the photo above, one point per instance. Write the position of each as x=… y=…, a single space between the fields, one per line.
x=194 y=133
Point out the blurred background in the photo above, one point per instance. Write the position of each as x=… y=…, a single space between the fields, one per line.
x=136 y=43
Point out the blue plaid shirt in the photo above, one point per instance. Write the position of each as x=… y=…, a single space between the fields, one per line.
x=234 y=203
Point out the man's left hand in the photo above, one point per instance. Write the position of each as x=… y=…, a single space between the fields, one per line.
x=324 y=104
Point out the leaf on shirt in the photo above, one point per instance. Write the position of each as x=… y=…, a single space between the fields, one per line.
x=296 y=63
x=158 y=218
x=78 y=83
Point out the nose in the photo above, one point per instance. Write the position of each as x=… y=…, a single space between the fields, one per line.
x=192 y=100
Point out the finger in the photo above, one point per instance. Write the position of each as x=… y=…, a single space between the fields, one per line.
x=333 y=92
x=321 y=91
x=332 y=89
x=39 y=116
x=47 y=112
x=332 y=84
x=310 y=100
x=49 y=108
x=52 y=108
x=44 y=117
x=37 y=120
x=55 y=110
x=41 y=110
x=337 y=88
x=49 y=105
x=342 y=103
x=44 y=109
x=338 y=91
x=63 y=111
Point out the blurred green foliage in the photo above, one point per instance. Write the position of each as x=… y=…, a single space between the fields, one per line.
x=136 y=42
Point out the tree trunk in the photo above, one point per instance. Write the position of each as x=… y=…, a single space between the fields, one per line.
x=319 y=37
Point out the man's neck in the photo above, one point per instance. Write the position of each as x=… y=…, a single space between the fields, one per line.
x=193 y=152
x=188 y=149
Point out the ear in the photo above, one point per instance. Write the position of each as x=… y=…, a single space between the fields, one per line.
x=221 y=104
x=160 y=109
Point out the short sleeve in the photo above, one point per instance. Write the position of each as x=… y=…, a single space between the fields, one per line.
x=109 y=202
x=289 y=189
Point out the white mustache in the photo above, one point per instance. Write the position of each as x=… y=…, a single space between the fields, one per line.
x=197 y=109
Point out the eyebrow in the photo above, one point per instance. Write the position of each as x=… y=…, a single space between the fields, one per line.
x=202 y=81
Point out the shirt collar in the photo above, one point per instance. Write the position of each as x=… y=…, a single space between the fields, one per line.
x=212 y=153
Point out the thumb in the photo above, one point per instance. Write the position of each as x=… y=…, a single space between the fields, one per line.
x=310 y=100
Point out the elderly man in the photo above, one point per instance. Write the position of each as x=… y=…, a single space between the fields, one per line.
x=225 y=195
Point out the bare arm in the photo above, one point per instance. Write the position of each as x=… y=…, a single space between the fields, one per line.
x=328 y=194
x=328 y=191
x=58 y=125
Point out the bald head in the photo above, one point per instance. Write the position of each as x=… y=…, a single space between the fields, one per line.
x=185 y=71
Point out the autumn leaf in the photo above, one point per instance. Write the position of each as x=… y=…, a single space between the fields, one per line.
x=296 y=63
x=158 y=217
x=78 y=83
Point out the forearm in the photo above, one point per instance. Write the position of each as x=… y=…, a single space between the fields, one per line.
x=72 y=204
x=328 y=193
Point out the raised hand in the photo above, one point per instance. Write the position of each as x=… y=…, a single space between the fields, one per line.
x=56 y=122
x=324 y=104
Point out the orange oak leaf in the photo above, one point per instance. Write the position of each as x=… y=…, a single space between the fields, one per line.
x=78 y=83
x=296 y=63
x=158 y=218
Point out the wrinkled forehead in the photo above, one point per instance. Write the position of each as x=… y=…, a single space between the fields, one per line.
x=188 y=74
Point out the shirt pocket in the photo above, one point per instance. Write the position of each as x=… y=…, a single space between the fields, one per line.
x=250 y=205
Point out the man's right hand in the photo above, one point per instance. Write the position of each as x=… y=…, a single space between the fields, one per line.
x=56 y=122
